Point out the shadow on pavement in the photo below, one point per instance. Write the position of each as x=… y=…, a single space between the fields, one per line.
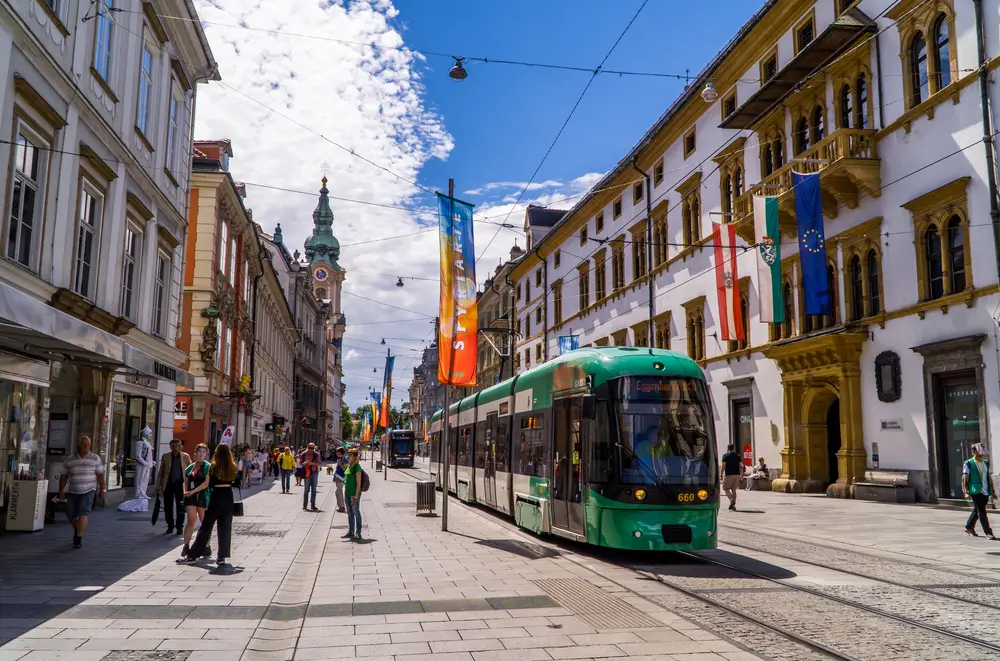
x=43 y=577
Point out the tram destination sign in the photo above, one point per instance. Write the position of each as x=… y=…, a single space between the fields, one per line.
x=658 y=388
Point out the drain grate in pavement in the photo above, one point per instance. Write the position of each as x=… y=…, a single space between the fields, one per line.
x=595 y=606
x=955 y=586
x=146 y=656
x=399 y=505
x=256 y=530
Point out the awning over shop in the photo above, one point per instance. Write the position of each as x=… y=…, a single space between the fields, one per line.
x=30 y=326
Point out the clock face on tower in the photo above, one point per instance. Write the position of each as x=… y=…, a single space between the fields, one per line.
x=320 y=274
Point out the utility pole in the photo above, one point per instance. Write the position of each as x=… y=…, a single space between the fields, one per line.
x=386 y=448
x=445 y=433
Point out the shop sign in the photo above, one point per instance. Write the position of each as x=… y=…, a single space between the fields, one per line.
x=180 y=410
x=892 y=425
x=748 y=455
x=164 y=371
x=220 y=409
x=141 y=380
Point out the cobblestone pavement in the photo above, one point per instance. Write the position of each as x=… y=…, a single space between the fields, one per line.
x=409 y=592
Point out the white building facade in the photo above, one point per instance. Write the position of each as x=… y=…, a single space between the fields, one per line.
x=96 y=113
x=885 y=101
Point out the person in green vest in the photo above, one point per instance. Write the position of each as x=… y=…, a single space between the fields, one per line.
x=976 y=484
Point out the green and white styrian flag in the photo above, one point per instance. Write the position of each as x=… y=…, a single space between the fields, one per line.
x=768 y=237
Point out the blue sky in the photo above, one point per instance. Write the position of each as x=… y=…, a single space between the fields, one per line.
x=301 y=89
x=504 y=117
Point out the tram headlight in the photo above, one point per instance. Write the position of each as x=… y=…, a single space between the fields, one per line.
x=640 y=494
x=702 y=495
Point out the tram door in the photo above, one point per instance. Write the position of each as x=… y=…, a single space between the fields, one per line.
x=490 y=467
x=567 y=491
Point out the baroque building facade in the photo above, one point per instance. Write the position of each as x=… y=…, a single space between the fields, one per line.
x=890 y=112
x=97 y=142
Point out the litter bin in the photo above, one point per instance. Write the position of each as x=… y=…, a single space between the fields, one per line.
x=378 y=465
x=426 y=498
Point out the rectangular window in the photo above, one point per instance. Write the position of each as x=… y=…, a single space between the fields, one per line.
x=637 y=193
x=228 y=347
x=102 y=38
x=519 y=291
x=232 y=260
x=87 y=241
x=223 y=246
x=769 y=68
x=600 y=276
x=689 y=143
x=729 y=105
x=527 y=358
x=218 y=334
x=584 y=286
x=24 y=219
x=557 y=302
x=583 y=235
x=538 y=353
x=556 y=258
x=538 y=278
x=538 y=315
x=130 y=273
x=804 y=34
x=171 y=132
x=145 y=87
x=246 y=281
x=658 y=173
x=161 y=294
x=599 y=223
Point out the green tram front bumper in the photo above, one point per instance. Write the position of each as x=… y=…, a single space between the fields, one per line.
x=656 y=529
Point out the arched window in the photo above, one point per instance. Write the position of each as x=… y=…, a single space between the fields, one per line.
x=801 y=135
x=727 y=194
x=956 y=254
x=779 y=151
x=818 y=129
x=737 y=183
x=695 y=221
x=745 y=316
x=942 y=61
x=875 y=301
x=918 y=68
x=861 y=108
x=935 y=270
x=846 y=107
x=787 y=328
x=768 y=160
x=857 y=289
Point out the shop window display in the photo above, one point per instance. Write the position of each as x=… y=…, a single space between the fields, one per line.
x=23 y=436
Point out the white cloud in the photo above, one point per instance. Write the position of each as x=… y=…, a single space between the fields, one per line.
x=370 y=101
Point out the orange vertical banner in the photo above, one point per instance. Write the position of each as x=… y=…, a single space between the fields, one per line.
x=459 y=327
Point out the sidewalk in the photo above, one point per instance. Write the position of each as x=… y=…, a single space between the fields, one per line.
x=410 y=592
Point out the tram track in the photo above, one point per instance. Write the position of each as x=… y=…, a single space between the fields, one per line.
x=856 y=637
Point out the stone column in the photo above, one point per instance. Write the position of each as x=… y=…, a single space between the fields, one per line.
x=852 y=458
x=793 y=456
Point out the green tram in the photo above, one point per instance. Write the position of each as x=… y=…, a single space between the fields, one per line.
x=613 y=446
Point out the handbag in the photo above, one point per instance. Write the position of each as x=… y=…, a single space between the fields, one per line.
x=238 y=505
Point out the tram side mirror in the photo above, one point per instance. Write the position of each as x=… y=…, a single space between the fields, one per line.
x=589 y=407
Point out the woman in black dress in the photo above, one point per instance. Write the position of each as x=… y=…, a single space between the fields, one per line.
x=196 y=495
x=223 y=476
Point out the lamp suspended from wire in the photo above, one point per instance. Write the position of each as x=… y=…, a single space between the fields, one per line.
x=383 y=340
x=709 y=94
x=458 y=72
x=399 y=282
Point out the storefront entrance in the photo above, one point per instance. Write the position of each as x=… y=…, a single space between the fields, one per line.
x=130 y=415
x=958 y=428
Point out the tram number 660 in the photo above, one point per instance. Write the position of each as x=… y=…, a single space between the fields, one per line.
x=685 y=498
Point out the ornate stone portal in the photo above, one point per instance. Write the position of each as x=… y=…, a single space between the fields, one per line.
x=817 y=374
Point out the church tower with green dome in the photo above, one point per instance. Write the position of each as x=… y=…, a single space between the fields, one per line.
x=322 y=250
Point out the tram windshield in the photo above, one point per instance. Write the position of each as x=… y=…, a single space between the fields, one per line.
x=666 y=432
x=402 y=443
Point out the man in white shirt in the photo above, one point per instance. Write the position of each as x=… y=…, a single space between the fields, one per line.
x=82 y=479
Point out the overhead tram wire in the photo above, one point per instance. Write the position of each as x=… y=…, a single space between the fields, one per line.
x=564 y=124
x=737 y=135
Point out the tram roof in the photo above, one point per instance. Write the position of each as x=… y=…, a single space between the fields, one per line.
x=569 y=371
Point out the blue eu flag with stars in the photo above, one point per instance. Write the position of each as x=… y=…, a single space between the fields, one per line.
x=812 y=244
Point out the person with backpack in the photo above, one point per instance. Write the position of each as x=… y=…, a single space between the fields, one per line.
x=976 y=485
x=355 y=481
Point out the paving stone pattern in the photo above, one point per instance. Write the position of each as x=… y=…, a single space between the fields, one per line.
x=408 y=592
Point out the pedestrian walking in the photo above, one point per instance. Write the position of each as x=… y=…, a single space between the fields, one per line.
x=288 y=465
x=81 y=482
x=731 y=471
x=976 y=485
x=170 y=484
x=309 y=460
x=338 y=477
x=223 y=477
x=246 y=465
x=196 y=495
x=352 y=484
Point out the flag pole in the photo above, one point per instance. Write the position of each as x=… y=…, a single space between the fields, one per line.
x=446 y=433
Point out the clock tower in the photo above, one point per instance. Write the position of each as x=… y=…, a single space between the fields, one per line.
x=327 y=276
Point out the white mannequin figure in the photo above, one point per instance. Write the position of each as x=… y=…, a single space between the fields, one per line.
x=143 y=457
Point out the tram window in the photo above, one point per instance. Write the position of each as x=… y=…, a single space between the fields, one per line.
x=465 y=451
x=503 y=448
x=483 y=440
x=532 y=457
x=599 y=459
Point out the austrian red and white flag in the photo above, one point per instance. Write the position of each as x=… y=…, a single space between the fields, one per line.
x=726 y=281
